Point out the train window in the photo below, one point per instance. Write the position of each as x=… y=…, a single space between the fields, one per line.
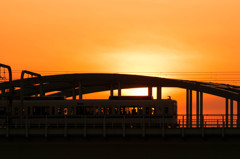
x=134 y=111
x=2 y=110
x=96 y=110
x=108 y=111
x=40 y=110
x=131 y=110
x=59 y=111
x=65 y=111
x=127 y=110
x=153 y=111
x=102 y=110
x=122 y=111
x=166 y=110
x=115 y=110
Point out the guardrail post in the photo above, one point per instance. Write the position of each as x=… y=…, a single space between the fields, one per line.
x=201 y=121
x=26 y=127
x=149 y=122
x=223 y=125
x=201 y=108
x=46 y=126
x=123 y=126
x=231 y=113
x=163 y=128
x=203 y=126
x=65 y=127
x=187 y=107
x=143 y=126
x=104 y=126
x=183 y=126
x=238 y=114
x=226 y=112
x=7 y=128
x=197 y=108
x=190 y=108
x=85 y=127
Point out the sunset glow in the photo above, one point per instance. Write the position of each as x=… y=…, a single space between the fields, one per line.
x=136 y=92
x=124 y=36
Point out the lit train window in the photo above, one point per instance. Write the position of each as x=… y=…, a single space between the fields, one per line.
x=116 y=110
x=122 y=110
x=153 y=110
x=102 y=110
x=65 y=110
x=108 y=111
x=134 y=111
x=127 y=110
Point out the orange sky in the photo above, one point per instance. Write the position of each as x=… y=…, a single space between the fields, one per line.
x=121 y=36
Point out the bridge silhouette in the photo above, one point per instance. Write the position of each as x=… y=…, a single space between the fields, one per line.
x=76 y=85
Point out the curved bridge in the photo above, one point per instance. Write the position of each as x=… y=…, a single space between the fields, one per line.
x=70 y=85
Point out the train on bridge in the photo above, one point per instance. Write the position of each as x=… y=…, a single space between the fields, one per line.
x=35 y=110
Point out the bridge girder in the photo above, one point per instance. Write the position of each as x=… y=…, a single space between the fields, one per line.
x=102 y=82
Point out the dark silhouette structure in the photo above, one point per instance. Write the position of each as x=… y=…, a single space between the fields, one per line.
x=73 y=85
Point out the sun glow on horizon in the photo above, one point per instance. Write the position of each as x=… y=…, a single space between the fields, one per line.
x=135 y=92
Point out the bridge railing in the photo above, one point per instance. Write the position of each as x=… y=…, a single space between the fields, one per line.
x=120 y=121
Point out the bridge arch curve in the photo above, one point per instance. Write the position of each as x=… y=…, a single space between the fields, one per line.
x=70 y=84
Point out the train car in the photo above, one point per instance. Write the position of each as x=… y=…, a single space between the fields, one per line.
x=115 y=110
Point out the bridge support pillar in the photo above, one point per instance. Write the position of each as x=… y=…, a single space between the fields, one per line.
x=80 y=91
x=201 y=109
x=150 y=91
x=226 y=112
x=119 y=89
x=238 y=114
x=189 y=108
x=73 y=94
x=159 y=92
x=111 y=90
x=197 y=108
x=231 y=113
